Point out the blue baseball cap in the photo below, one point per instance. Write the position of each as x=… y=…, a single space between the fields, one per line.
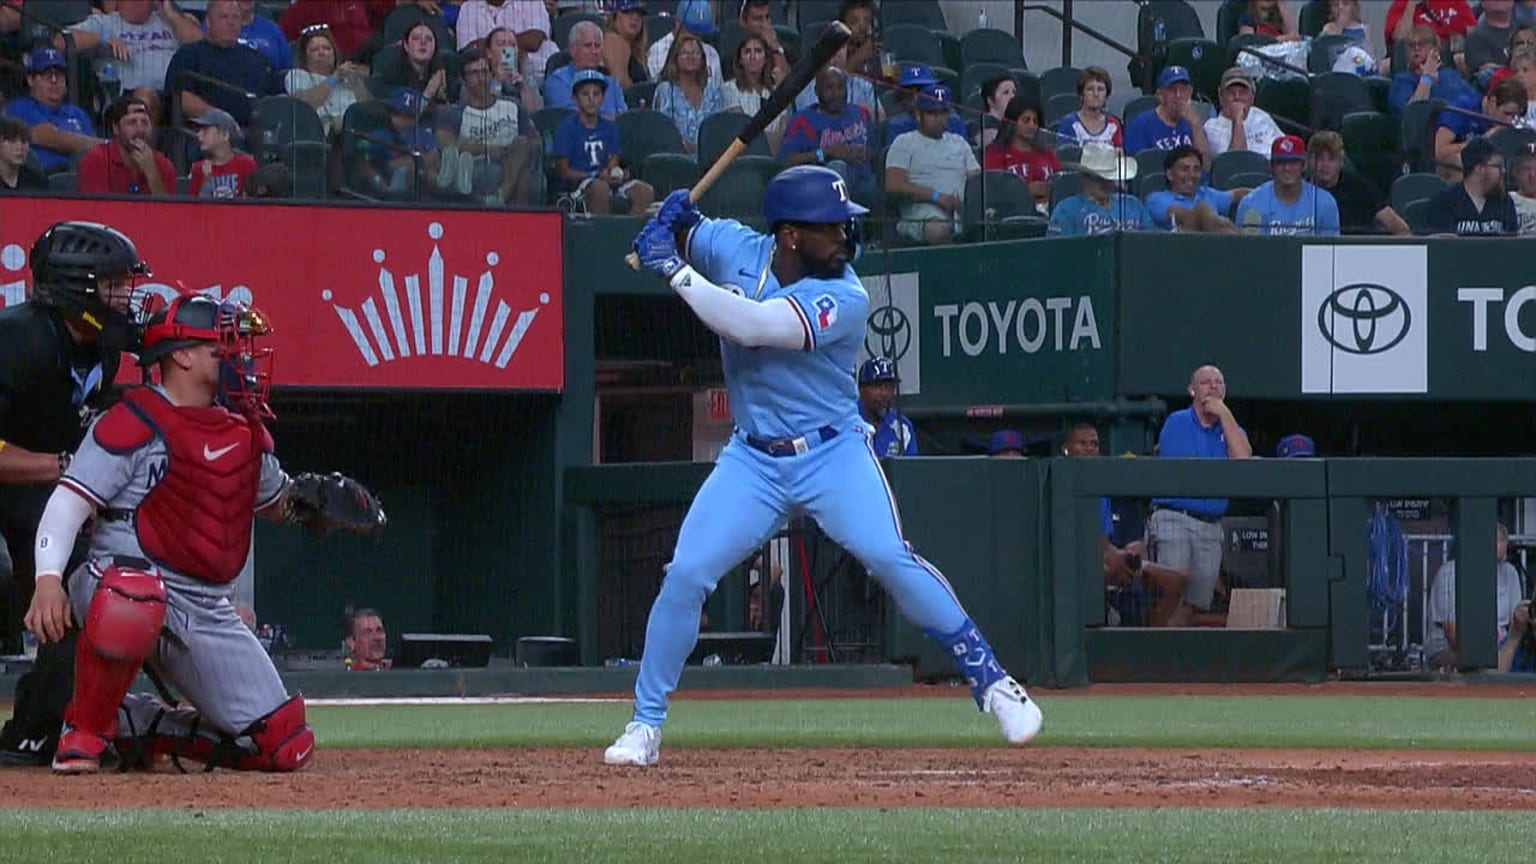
x=589 y=76
x=630 y=6
x=1004 y=440
x=1172 y=75
x=878 y=369
x=935 y=97
x=698 y=16
x=405 y=101
x=916 y=76
x=1295 y=446
x=43 y=59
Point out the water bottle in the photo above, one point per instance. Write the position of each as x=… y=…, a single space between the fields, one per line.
x=1159 y=31
x=111 y=81
x=981 y=18
x=29 y=644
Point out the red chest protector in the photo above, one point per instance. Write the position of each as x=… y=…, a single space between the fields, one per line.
x=197 y=518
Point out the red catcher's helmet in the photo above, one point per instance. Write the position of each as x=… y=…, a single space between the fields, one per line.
x=245 y=370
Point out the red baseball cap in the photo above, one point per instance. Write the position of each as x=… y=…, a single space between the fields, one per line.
x=1288 y=148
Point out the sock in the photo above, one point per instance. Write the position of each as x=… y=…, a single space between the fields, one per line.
x=973 y=657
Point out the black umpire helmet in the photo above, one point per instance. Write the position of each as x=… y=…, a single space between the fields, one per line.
x=70 y=260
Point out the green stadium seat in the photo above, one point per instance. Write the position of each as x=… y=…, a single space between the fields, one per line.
x=1204 y=59
x=1059 y=106
x=1325 y=52
x=920 y=13
x=1335 y=94
x=1312 y=18
x=1064 y=185
x=1370 y=140
x=738 y=194
x=669 y=171
x=1416 y=134
x=913 y=43
x=718 y=131
x=1059 y=79
x=642 y=133
x=1285 y=99
x=1137 y=106
x=1409 y=188
x=991 y=46
x=994 y=195
x=1235 y=163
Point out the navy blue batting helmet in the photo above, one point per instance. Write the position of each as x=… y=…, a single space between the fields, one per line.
x=810 y=194
x=878 y=369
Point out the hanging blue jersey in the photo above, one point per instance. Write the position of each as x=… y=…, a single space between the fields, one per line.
x=1314 y=213
x=776 y=392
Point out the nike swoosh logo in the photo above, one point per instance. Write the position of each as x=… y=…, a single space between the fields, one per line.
x=211 y=455
x=303 y=754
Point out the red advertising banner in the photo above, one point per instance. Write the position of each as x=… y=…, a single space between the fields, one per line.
x=374 y=298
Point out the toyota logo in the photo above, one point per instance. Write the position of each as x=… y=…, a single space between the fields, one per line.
x=1364 y=319
x=889 y=327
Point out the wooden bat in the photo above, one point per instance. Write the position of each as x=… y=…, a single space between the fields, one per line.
x=783 y=96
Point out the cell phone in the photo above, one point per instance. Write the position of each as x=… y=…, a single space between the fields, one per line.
x=509 y=57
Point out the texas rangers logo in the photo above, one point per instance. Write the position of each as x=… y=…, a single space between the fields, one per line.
x=826 y=311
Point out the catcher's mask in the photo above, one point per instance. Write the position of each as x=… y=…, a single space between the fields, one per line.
x=245 y=370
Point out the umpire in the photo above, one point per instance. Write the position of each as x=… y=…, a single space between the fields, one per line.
x=59 y=353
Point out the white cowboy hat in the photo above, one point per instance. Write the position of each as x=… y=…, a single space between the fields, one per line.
x=1106 y=163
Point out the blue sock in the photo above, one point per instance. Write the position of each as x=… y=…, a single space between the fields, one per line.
x=973 y=657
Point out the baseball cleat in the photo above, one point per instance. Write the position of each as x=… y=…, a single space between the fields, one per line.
x=639 y=745
x=1016 y=713
x=82 y=753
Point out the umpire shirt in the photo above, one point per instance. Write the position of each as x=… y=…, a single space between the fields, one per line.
x=1184 y=437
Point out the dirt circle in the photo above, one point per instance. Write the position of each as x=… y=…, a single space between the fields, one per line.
x=1039 y=777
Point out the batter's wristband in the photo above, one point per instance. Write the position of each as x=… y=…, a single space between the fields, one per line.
x=934 y=196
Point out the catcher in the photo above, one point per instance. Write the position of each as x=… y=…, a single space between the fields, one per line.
x=173 y=475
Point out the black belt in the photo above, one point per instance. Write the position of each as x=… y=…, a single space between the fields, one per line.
x=1203 y=517
x=779 y=447
x=115 y=514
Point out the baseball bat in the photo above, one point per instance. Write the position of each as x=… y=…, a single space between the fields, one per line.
x=783 y=96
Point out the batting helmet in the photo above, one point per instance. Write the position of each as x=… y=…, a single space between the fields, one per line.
x=69 y=262
x=810 y=194
x=878 y=369
x=244 y=370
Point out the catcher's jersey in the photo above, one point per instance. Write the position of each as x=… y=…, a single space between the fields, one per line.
x=120 y=481
x=778 y=393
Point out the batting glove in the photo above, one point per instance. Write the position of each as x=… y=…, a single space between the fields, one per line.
x=656 y=247
x=678 y=212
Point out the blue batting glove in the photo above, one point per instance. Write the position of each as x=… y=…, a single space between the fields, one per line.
x=678 y=212
x=657 y=248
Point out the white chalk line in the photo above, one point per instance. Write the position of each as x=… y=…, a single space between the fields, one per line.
x=462 y=700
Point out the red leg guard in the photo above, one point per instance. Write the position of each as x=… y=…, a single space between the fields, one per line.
x=283 y=741
x=122 y=625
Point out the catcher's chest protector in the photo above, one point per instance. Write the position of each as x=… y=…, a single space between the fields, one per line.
x=197 y=519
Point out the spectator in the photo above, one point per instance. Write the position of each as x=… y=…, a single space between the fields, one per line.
x=624 y=48
x=1090 y=123
x=764 y=612
x=1442 y=644
x=588 y=165
x=860 y=90
x=1425 y=77
x=528 y=21
x=1173 y=122
x=1016 y=150
x=863 y=47
x=1522 y=68
x=1443 y=18
x=366 y=642
x=269 y=181
x=757 y=17
x=1289 y=205
x=1101 y=208
x=1240 y=125
x=586 y=47
x=322 y=83
x=127 y=164
x=404 y=154
x=494 y=137
x=997 y=94
x=1344 y=20
x=220 y=56
x=59 y=129
x=1504 y=105
x=685 y=92
x=222 y=171
x=1187 y=205
x=142 y=36
x=914 y=78
x=753 y=83
x=928 y=168
x=833 y=133
x=507 y=79
x=1488 y=42
x=1185 y=533
x=1525 y=13
x=1362 y=207
x=1524 y=196
x=263 y=34
x=696 y=17
x=1517 y=651
x=1005 y=444
x=1131 y=582
x=1268 y=18
x=16 y=174
x=1477 y=206
x=894 y=433
x=420 y=67
x=346 y=19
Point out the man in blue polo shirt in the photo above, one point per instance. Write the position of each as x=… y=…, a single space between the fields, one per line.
x=1173 y=122
x=223 y=58
x=59 y=129
x=1185 y=533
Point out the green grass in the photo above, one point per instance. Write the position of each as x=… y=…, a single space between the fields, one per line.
x=711 y=836
x=1357 y=722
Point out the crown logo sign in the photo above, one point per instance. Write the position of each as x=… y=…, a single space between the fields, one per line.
x=419 y=327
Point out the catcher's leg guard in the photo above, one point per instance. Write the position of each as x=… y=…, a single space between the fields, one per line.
x=283 y=739
x=280 y=742
x=122 y=625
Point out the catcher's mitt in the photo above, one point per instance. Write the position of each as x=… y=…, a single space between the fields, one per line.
x=326 y=502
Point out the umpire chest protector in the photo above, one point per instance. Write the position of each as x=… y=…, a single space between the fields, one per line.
x=196 y=519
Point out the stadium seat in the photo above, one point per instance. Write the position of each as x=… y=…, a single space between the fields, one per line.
x=1150 y=161
x=1150 y=183
x=817 y=10
x=642 y=133
x=658 y=26
x=1314 y=14
x=1245 y=40
x=809 y=33
x=789 y=39
x=361 y=120
x=992 y=196
x=287 y=130
x=977 y=74
x=1370 y=140
x=1204 y=59
x=913 y=43
x=1335 y=94
x=1235 y=163
x=718 y=131
x=949 y=44
x=1325 y=52
x=642 y=95
x=557 y=60
x=560 y=28
x=1414 y=187
x=1029 y=85
x=1137 y=106
x=1512 y=142
x=1065 y=184
x=920 y=13
x=1248 y=180
x=59 y=13
x=1069 y=153
x=1288 y=100
x=1179 y=20
x=1226 y=19
x=668 y=171
x=1059 y=79
x=64 y=181
x=1415 y=132
x=739 y=192
x=991 y=46
x=1059 y=106
x=547 y=120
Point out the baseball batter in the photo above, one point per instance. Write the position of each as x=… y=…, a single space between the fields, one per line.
x=172 y=476
x=791 y=316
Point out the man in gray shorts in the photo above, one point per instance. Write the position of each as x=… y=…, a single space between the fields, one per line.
x=1185 y=533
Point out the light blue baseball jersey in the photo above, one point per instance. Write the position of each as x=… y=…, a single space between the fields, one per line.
x=778 y=393
x=1314 y=212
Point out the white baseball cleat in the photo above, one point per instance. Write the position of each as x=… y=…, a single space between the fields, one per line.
x=1016 y=713
x=641 y=745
